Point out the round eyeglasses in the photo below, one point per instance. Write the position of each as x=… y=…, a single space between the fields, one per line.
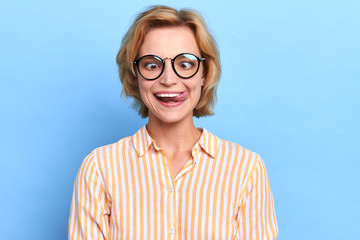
x=185 y=65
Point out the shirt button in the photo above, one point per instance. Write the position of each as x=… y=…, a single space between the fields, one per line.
x=171 y=231
x=171 y=189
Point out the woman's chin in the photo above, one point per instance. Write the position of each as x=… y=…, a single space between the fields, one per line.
x=169 y=117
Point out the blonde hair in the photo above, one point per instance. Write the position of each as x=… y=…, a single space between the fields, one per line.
x=163 y=16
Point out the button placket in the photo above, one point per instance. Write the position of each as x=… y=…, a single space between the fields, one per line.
x=173 y=206
x=171 y=201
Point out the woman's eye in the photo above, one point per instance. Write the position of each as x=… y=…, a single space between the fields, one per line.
x=151 y=66
x=186 y=65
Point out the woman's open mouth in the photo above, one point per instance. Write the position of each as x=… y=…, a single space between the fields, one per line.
x=171 y=98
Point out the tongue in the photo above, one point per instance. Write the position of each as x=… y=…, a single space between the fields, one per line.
x=178 y=98
x=168 y=99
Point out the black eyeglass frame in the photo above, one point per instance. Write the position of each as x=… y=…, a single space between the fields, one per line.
x=199 y=59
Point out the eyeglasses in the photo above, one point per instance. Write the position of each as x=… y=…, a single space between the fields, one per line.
x=185 y=65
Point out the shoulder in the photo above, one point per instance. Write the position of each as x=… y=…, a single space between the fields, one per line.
x=240 y=152
x=126 y=141
x=104 y=156
x=247 y=161
x=243 y=164
x=211 y=142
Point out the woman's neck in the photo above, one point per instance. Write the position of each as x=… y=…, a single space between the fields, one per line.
x=178 y=136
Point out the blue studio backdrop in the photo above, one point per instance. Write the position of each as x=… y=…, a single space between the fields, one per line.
x=290 y=91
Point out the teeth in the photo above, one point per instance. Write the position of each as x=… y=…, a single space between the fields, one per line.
x=167 y=94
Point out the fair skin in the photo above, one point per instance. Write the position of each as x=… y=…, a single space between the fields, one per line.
x=171 y=123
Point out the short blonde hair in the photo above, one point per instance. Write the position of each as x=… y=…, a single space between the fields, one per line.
x=163 y=16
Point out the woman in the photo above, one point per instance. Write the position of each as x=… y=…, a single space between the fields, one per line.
x=171 y=180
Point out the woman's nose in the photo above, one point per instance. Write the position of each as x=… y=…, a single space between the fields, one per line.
x=168 y=77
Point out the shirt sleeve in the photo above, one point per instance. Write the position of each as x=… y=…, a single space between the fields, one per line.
x=89 y=214
x=256 y=218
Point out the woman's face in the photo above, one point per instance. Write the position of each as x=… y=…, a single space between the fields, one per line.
x=170 y=98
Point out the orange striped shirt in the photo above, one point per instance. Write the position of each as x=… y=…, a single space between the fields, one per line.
x=126 y=190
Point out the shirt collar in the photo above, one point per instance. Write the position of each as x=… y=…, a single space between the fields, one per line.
x=142 y=141
x=208 y=142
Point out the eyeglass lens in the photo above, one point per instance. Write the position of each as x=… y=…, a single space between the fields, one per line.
x=185 y=65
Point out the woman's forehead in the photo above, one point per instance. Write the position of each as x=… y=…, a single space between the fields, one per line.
x=169 y=41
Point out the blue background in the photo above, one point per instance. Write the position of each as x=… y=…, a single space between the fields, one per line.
x=290 y=91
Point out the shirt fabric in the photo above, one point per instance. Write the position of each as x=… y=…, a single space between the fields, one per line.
x=126 y=190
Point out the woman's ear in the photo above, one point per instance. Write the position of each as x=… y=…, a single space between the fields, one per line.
x=135 y=80
x=204 y=73
x=134 y=76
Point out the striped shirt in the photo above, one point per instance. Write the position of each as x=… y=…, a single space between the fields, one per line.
x=126 y=190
